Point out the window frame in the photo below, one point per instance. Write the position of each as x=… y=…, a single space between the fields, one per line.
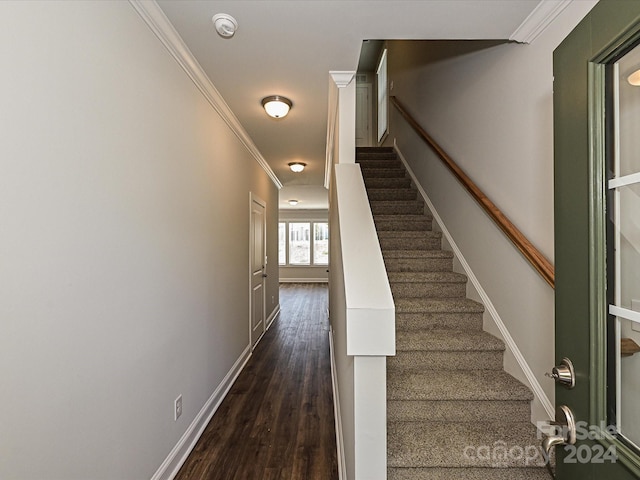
x=312 y=224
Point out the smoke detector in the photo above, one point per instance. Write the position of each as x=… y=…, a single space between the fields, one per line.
x=225 y=24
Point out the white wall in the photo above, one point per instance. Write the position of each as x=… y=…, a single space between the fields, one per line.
x=300 y=273
x=343 y=394
x=124 y=205
x=489 y=106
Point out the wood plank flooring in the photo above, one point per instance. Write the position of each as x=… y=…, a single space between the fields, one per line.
x=277 y=421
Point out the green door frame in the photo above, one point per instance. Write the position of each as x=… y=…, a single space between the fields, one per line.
x=580 y=224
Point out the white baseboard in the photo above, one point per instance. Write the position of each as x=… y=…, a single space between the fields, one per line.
x=304 y=280
x=171 y=465
x=342 y=467
x=272 y=317
x=536 y=388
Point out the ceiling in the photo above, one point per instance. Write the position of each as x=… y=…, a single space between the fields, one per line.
x=288 y=47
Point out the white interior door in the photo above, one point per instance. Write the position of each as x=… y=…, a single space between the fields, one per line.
x=258 y=269
x=363 y=115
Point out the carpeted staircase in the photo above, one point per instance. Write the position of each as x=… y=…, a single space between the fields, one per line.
x=453 y=413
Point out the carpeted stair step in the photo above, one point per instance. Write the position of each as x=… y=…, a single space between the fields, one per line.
x=458 y=411
x=414 y=314
x=447 y=350
x=392 y=194
x=390 y=207
x=418 y=260
x=427 y=284
x=380 y=163
x=465 y=444
x=394 y=240
x=363 y=153
x=456 y=385
x=383 y=182
x=399 y=172
x=468 y=474
x=403 y=222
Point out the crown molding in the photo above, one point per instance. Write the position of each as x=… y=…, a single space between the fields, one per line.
x=160 y=25
x=538 y=20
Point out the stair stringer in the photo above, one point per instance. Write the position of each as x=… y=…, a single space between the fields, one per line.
x=542 y=408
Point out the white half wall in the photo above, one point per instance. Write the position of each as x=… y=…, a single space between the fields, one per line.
x=125 y=237
x=489 y=105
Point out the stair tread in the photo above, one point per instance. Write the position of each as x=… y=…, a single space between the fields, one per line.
x=395 y=202
x=437 y=340
x=426 y=277
x=390 y=183
x=508 y=411
x=447 y=444
x=455 y=385
x=418 y=444
x=400 y=254
x=439 y=305
x=386 y=190
x=409 y=234
x=403 y=217
x=379 y=162
x=366 y=150
x=468 y=473
x=391 y=207
x=382 y=172
x=393 y=195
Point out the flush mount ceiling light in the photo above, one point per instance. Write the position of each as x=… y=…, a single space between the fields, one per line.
x=297 y=167
x=634 y=78
x=293 y=202
x=276 y=106
x=225 y=24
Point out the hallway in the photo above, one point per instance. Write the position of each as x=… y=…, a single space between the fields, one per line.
x=277 y=420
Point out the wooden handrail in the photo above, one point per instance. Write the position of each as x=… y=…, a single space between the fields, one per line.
x=531 y=253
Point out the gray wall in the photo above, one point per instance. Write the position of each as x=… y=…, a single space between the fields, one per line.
x=489 y=106
x=125 y=239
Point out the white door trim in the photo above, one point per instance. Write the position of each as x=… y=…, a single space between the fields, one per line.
x=253 y=198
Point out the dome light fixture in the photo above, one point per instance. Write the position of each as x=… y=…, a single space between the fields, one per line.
x=634 y=79
x=297 y=167
x=276 y=106
x=293 y=202
x=225 y=24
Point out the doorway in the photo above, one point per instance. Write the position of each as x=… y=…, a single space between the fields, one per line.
x=258 y=263
x=363 y=115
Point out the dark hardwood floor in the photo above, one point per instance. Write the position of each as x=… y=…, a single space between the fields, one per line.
x=277 y=421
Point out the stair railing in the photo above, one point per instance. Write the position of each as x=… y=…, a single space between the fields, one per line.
x=521 y=242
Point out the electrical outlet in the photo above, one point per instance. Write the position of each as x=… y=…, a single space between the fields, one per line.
x=273 y=299
x=177 y=408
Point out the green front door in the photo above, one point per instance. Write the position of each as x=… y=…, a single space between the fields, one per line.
x=597 y=230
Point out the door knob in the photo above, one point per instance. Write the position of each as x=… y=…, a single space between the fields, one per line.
x=565 y=431
x=564 y=374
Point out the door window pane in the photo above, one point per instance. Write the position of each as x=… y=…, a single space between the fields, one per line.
x=624 y=247
x=299 y=243
x=628 y=235
x=321 y=243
